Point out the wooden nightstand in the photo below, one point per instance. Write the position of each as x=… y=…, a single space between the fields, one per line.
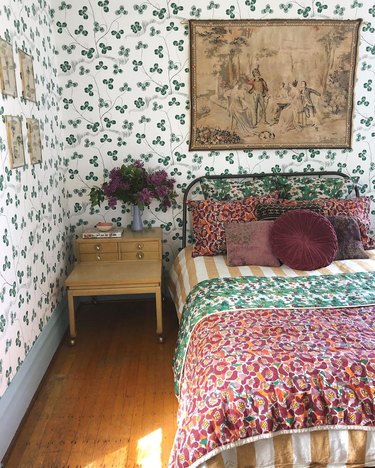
x=131 y=264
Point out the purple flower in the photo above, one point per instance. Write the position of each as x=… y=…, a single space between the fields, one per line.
x=112 y=202
x=132 y=183
x=138 y=163
x=145 y=196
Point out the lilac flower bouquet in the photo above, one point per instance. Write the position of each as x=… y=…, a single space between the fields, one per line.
x=135 y=185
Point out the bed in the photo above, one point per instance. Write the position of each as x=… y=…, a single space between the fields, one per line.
x=274 y=366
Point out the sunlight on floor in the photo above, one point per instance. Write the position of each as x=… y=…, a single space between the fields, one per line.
x=149 y=450
x=108 y=459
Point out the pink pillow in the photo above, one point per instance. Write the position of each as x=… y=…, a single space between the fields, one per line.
x=209 y=216
x=249 y=244
x=304 y=240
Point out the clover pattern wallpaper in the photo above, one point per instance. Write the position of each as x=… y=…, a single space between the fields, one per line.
x=35 y=233
x=124 y=68
x=112 y=83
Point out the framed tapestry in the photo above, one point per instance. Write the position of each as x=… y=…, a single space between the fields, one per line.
x=7 y=69
x=27 y=76
x=34 y=142
x=16 y=152
x=272 y=83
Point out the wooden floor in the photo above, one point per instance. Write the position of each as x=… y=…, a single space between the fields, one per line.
x=108 y=401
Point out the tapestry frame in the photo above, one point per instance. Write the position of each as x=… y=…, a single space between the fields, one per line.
x=272 y=83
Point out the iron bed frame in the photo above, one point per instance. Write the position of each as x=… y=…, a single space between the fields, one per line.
x=250 y=176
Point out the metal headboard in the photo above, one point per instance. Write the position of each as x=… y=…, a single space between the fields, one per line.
x=249 y=176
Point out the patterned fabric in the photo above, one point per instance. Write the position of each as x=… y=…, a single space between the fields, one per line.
x=304 y=240
x=249 y=244
x=208 y=218
x=236 y=189
x=348 y=237
x=187 y=272
x=357 y=208
x=272 y=211
x=250 y=292
x=296 y=370
x=309 y=188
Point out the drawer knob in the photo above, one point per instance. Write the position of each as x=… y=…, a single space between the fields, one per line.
x=140 y=255
x=139 y=246
x=99 y=257
x=97 y=247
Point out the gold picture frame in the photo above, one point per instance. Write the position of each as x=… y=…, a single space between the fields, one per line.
x=34 y=142
x=8 y=83
x=259 y=84
x=16 y=151
x=27 y=76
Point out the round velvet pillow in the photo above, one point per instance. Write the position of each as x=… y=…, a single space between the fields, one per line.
x=304 y=240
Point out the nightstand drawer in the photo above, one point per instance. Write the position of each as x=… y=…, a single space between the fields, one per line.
x=140 y=246
x=97 y=247
x=98 y=257
x=139 y=255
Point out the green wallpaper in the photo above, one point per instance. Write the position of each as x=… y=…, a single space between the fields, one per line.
x=124 y=69
x=34 y=217
x=112 y=83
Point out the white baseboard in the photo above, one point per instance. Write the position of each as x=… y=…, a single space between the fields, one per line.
x=18 y=396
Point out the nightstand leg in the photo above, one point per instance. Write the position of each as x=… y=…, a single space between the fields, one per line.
x=159 y=315
x=72 y=319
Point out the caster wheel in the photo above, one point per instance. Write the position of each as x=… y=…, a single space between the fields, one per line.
x=161 y=339
x=72 y=341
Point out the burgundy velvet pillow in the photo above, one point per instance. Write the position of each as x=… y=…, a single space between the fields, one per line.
x=304 y=240
x=348 y=237
x=249 y=244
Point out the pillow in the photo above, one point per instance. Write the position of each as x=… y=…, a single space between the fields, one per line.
x=274 y=210
x=309 y=188
x=236 y=189
x=348 y=237
x=357 y=208
x=249 y=244
x=209 y=216
x=304 y=240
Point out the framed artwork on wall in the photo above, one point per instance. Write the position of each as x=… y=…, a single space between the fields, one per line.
x=8 y=84
x=16 y=152
x=27 y=76
x=272 y=83
x=34 y=142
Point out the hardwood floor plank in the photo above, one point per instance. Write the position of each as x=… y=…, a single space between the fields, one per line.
x=108 y=400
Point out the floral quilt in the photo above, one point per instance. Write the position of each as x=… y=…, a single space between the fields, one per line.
x=261 y=355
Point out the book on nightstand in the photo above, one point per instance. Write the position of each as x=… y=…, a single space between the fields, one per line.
x=94 y=233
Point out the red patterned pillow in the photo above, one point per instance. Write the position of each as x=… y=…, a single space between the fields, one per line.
x=357 y=208
x=304 y=240
x=209 y=216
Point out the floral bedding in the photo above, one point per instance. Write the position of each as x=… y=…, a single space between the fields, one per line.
x=257 y=356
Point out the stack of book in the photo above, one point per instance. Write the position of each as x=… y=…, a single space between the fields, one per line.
x=93 y=233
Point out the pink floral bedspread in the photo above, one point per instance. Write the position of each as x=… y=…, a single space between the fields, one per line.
x=248 y=373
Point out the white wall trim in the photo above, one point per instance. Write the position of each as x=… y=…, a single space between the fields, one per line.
x=17 y=398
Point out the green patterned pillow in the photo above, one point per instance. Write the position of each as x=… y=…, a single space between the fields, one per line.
x=237 y=189
x=310 y=188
